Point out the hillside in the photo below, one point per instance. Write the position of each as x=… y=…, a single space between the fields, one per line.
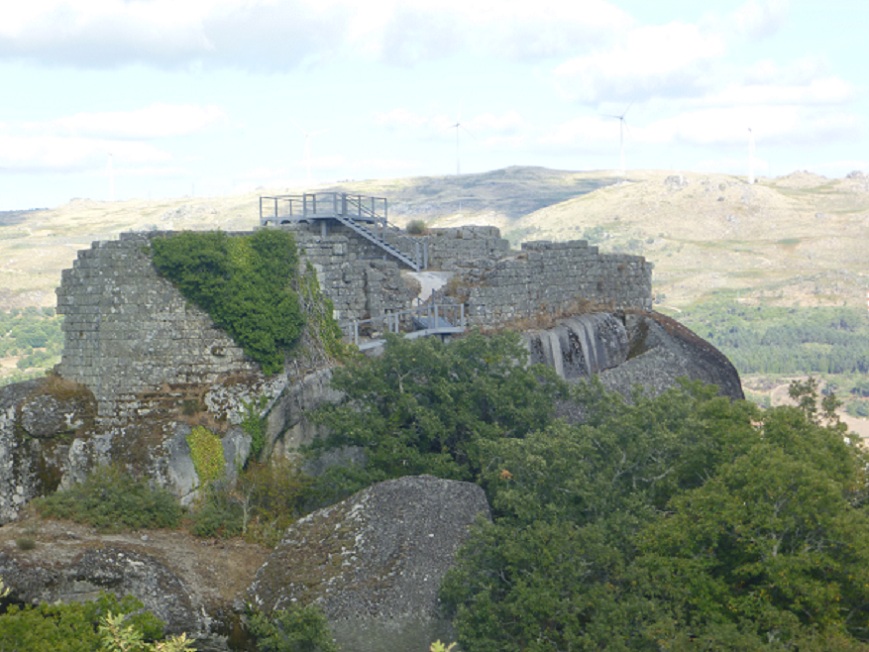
x=793 y=240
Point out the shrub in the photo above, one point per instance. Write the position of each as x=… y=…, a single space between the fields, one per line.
x=416 y=227
x=206 y=451
x=218 y=514
x=112 y=500
x=25 y=543
x=254 y=426
x=297 y=629
x=72 y=627
x=263 y=502
x=245 y=283
x=272 y=496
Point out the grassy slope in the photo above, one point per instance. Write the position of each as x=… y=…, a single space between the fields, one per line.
x=795 y=240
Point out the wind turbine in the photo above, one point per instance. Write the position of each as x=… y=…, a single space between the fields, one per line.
x=111 y=174
x=750 y=156
x=458 y=126
x=306 y=149
x=622 y=126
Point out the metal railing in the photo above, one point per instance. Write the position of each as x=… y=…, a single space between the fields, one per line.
x=424 y=320
x=281 y=209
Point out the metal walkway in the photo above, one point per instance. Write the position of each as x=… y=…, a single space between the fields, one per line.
x=365 y=216
x=424 y=321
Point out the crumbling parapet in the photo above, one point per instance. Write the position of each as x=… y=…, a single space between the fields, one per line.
x=552 y=278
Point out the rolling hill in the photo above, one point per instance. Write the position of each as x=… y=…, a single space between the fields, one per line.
x=793 y=240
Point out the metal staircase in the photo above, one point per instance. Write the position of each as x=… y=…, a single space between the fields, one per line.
x=353 y=211
x=369 y=235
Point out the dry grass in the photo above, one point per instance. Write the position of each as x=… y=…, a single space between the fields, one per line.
x=795 y=240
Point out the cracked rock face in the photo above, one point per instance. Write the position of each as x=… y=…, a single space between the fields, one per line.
x=374 y=562
x=630 y=349
x=106 y=569
x=662 y=351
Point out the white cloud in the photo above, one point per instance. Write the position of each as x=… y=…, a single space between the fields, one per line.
x=588 y=132
x=154 y=121
x=84 y=140
x=760 y=18
x=484 y=124
x=272 y=35
x=402 y=118
x=668 y=60
x=784 y=124
x=20 y=152
x=824 y=91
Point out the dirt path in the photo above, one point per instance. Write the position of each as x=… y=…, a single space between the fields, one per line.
x=217 y=570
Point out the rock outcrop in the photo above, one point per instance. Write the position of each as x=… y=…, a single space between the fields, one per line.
x=630 y=349
x=662 y=351
x=374 y=562
x=190 y=583
x=112 y=570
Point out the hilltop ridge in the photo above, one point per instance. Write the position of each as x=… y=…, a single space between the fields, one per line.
x=793 y=240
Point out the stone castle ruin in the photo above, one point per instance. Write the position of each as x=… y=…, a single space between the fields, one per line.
x=134 y=341
x=141 y=365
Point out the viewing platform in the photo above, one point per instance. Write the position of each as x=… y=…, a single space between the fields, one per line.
x=364 y=215
x=313 y=206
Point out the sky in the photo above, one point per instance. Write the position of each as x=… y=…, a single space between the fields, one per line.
x=122 y=99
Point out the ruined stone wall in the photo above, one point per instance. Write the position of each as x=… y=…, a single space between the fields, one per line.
x=456 y=248
x=137 y=344
x=141 y=348
x=549 y=277
x=355 y=274
x=128 y=332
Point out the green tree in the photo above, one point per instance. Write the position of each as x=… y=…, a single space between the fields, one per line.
x=683 y=521
x=774 y=545
x=426 y=407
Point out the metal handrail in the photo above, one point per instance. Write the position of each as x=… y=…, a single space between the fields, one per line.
x=446 y=318
x=321 y=205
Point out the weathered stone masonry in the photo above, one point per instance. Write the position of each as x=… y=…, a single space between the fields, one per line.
x=554 y=278
x=128 y=331
x=133 y=340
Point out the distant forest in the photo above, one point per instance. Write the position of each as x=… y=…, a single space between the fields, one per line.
x=774 y=341
x=33 y=337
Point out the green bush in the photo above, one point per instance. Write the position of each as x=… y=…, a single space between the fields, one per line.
x=416 y=227
x=260 y=505
x=246 y=284
x=112 y=500
x=254 y=426
x=857 y=408
x=206 y=451
x=71 y=627
x=218 y=514
x=297 y=629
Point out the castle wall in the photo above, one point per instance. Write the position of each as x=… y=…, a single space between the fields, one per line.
x=452 y=249
x=128 y=331
x=137 y=344
x=353 y=273
x=555 y=278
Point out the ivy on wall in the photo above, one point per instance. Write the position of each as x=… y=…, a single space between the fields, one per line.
x=245 y=283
